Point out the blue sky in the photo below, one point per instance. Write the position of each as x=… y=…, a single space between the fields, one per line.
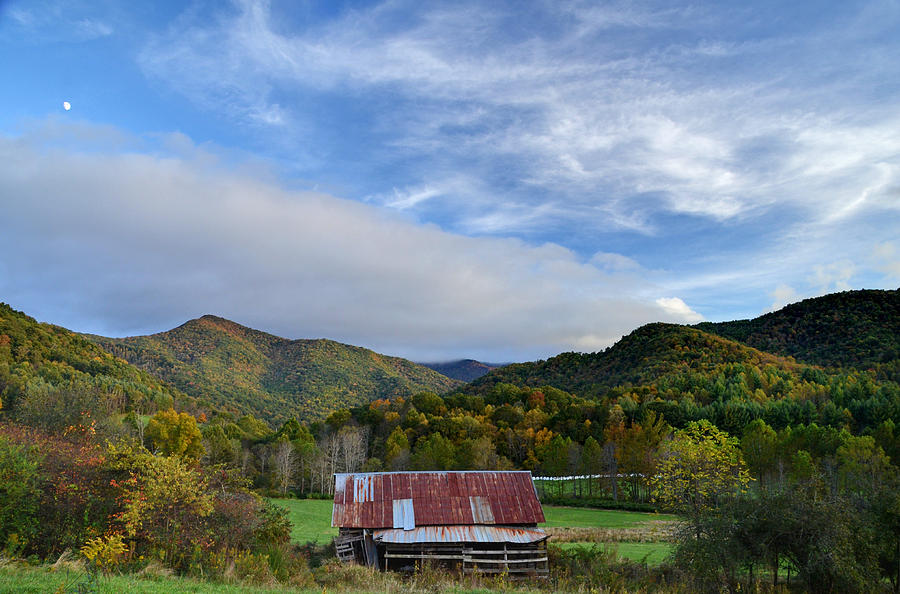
x=502 y=181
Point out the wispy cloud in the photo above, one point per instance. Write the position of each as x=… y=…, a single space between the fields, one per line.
x=55 y=20
x=585 y=106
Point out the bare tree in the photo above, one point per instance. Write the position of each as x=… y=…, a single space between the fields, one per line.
x=354 y=444
x=284 y=462
x=246 y=460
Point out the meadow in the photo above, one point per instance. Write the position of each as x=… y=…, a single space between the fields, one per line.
x=40 y=580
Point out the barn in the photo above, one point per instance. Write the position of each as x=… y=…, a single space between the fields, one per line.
x=471 y=521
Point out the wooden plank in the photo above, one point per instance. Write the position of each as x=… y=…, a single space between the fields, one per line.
x=421 y=556
x=505 y=561
x=510 y=570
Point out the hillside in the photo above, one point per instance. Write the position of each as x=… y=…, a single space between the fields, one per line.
x=42 y=366
x=464 y=370
x=652 y=354
x=851 y=329
x=247 y=371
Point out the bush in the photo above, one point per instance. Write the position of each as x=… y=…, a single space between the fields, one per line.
x=599 y=568
x=19 y=496
x=104 y=553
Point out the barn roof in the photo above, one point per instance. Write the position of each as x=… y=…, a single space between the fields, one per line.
x=410 y=499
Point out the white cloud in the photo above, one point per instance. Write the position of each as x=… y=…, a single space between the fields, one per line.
x=676 y=307
x=783 y=295
x=614 y=262
x=888 y=257
x=407 y=198
x=834 y=276
x=137 y=241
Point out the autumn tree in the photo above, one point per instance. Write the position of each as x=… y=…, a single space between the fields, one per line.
x=175 y=434
x=638 y=449
x=700 y=466
x=396 y=450
x=165 y=503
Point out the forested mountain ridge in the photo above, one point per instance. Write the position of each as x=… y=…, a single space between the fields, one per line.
x=685 y=374
x=233 y=367
x=849 y=329
x=40 y=362
x=650 y=353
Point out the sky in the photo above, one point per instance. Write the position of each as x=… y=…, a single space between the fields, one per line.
x=436 y=180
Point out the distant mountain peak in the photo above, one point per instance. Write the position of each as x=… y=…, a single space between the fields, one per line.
x=241 y=369
x=465 y=370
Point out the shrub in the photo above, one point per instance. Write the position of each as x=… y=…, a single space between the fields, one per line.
x=19 y=496
x=104 y=553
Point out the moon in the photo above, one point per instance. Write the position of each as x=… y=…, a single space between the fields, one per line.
x=67 y=106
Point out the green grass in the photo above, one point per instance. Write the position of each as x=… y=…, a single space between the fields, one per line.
x=653 y=552
x=311 y=519
x=40 y=580
x=588 y=518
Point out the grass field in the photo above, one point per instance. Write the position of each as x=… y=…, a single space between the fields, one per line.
x=584 y=517
x=40 y=580
x=312 y=523
x=653 y=553
x=311 y=519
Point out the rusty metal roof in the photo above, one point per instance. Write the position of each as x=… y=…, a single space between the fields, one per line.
x=428 y=534
x=410 y=499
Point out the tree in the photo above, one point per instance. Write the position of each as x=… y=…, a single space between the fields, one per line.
x=284 y=462
x=175 y=434
x=19 y=496
x=592 y=461
x=219 y=448
x=863 y=466
x=700 y=467
x=760 y=448
x=434 y=452
x=638 y=452
x=611 y=467
x=478 y=454
x=165 y=503
x=396 y=450
x=354 y=443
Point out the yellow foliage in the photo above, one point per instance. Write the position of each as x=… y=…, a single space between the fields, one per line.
x=104 y=552
x=702 y=464
x=175 y=434
x=543 y=437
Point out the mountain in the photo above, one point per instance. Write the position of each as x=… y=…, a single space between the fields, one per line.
x=650 y=354
x=43 y=366
x=248 y=371
x=834 y=363
x=851 y=329
x=464 y=370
